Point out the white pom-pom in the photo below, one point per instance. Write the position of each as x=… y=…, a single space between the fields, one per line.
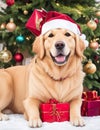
x=83 y=37
x=86 y=43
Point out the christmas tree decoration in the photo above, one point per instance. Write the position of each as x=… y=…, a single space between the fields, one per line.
x=96 y=20
x=5 y=55
x=25 y=12
x=94 y=44
x=10 y=2
x=98 y=13
x=92 y=24
x=96 y=57
x=28 y=38
x=11 y=26
x=18 y=57
x=2 y=26
x=90 y=68
x=57 y=4
x=20 y=39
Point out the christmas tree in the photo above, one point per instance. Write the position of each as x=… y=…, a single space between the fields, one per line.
x=16 y=40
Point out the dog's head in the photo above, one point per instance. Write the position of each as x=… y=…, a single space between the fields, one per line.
x=58 y=45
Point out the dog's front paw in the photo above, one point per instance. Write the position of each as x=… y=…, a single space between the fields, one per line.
x=35 y=123
x=77 y=121
x=3 y=117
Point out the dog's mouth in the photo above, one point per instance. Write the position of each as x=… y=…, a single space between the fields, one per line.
x=60 y=59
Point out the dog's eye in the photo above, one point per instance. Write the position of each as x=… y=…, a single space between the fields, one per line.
x=67 y=34
x=50 y=35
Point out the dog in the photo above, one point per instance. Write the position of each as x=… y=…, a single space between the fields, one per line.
x=54 y=72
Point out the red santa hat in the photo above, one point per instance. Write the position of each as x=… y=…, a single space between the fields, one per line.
x=58 y=20
x=41 y=22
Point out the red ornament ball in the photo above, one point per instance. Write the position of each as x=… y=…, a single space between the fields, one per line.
x=96 y=20
x=10 y=2
x=18 y=57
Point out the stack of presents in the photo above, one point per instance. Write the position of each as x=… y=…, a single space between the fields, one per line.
x=90 y=104
x=53 y=111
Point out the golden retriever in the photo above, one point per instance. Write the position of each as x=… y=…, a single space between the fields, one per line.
x=55 y=72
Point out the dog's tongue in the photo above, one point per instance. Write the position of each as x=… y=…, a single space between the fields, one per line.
x=60 y=58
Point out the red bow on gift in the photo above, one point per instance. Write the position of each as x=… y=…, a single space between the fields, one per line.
x=90 y=95
x=53 y=101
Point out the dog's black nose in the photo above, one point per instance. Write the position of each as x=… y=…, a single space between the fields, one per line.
x=60 y=45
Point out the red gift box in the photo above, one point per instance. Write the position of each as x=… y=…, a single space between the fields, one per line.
x=90 y=104
x=54 y=111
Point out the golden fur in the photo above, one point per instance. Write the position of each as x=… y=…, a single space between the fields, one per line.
x=24 y=88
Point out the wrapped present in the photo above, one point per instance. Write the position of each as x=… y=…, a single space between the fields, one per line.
x=54 y=111
x=90 y=104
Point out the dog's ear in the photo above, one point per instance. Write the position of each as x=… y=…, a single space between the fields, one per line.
x=79 y=46
x=38 y=46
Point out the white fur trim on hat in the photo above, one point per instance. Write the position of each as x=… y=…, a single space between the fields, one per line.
x=60 y=23
x=83 y=37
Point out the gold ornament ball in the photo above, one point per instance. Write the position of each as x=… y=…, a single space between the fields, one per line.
x=92 y=24
x=90 y=68
x=3 y=26
x=5 y=55
x=25 y=12
x=98 y=13
x=11 y=26
x=94 y=45
x=57 y=4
